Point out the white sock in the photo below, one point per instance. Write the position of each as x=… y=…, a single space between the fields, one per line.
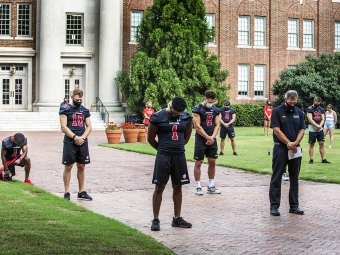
x=211 y=182
x=198 y=184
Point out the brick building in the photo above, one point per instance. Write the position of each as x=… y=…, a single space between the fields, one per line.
x=257 y=39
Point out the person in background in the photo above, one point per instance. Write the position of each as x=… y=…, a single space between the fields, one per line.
x=267 y=115
x=147 y=113
x=331 y=120
x=64 y=104
x=228 y=117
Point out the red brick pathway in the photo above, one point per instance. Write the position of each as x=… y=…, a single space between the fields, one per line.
x=235 y=222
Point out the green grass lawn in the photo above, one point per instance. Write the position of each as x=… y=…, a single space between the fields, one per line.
x=36 y=222
x=252 y=148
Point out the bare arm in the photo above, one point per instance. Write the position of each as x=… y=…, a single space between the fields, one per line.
x=233 y=119
x=187 y=133
x=198 y=127
x=3 y=158
x=217 y=125
x=313 y=123
x=291 y=145
x=335 y=117
x=152 y=133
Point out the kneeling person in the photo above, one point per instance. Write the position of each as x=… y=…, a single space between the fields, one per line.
x=173 y=128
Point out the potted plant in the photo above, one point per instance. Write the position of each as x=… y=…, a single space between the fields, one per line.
x=130 y=132
x=142 y=134
x=113 y=132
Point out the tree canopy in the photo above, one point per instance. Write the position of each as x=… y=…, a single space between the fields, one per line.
x=316 y=76
x=172 y=58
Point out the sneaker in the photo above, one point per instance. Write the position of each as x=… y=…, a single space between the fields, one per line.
x=325 y=161
x=234 y=153
x=213 y=190
x=180 y=222
x=311 y=161
x=285 y=177
x=67 y=196
x=28 y=182
x=84 y=195
x=155 y=225
x=221 y=153
x=330 y=146
x=199 y=191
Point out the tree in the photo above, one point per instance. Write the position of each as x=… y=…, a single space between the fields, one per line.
x=172 y=59
x=316 y=76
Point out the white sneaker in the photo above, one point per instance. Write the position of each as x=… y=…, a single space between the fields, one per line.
x=213 y=190
x=285 y=177
x=199 y=192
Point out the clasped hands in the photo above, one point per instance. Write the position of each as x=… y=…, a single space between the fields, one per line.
x=210 y=140
x=79 y=140
x=292 y=146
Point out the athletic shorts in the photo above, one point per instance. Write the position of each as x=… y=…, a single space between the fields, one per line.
x=76 y=153
x=11 y=166
x=201 y=149
x=224 y=131
x=329 y=124
x=313 y=136
x=174 y=165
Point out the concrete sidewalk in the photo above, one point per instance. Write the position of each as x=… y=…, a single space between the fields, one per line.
x=234 y=222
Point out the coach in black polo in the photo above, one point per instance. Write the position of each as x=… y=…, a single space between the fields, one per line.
x=288 y=130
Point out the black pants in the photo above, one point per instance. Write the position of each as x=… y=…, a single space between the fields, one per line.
x=280 y=161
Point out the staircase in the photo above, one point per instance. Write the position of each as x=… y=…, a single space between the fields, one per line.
x=39 y=121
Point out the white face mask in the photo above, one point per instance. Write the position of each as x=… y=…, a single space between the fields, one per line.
x=209 y=105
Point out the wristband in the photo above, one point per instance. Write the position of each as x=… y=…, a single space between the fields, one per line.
x=74 y=137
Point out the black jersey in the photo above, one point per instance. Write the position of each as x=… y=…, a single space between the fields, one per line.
x=316 y=112
x=75 y=120
x=207 y=116
x=227 y=114
x=13 y=150
x=170 y=131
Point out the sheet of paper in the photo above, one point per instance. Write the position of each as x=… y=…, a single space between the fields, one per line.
x=292 y=155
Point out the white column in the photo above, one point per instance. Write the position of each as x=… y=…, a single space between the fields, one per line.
x=49 y=89
x=110 y=51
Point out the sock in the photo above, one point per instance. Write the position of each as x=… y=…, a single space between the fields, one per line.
x=211 y=182
x=198 y=184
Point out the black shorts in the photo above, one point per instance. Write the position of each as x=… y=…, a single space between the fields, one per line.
x=11 y=168
x=224 y=131
x=201 y=149
x=313 y=136
x=76 y=153
x=174 y=165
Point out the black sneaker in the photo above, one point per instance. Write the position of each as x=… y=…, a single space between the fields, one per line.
x=155 y=225
x=311 y=161
x=180 y=222
x=234 y=153
x=325 y=161
x=67 y=196
x=221 y=153
x=84 y=195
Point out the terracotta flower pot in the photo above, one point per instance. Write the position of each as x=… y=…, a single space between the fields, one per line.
x=130 y=135
x=113 y=136
x=141 y=136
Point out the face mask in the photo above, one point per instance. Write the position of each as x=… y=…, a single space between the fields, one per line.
x=77 y=104
x=290 y=107
x=209 y=105
x=316 y=105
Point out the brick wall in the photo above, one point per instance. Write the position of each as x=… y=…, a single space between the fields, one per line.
x=275 y=56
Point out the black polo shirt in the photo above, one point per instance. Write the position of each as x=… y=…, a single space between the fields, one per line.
x=289 y=122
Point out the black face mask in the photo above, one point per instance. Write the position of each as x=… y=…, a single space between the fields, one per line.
x=290 y=107
x=316 y=105
x=77 y=104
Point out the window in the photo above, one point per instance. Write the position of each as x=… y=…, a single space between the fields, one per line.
x=293 y=33
x=243 y=30
x=259 y=80
x=136 y=19
x=308 y=34
x=5 y=19
x=337 y=35
x=24 y=20
x=211 y=23
x=74 y=29
x=260 y=31
x=243 y=79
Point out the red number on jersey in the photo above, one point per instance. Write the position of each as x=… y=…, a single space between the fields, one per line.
x=209 y=119
x=78 y=120
x=174 y=132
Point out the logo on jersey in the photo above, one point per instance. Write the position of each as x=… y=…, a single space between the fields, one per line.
x=184 y=176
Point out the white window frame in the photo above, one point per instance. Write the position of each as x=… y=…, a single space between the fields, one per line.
x=337 y=35
x=244 y=30
x=308 y=33
x=9 y=21
x=29 y=20
x=260 y=31
x=210 y=18
x=136 y=19
x=74 y=29
x=293 y=33
x=243 y=71
x=259 y=80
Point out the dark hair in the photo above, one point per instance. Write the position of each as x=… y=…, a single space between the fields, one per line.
x=178 y=104
x=226 y=103
x=210 y=94
x=19 y=139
